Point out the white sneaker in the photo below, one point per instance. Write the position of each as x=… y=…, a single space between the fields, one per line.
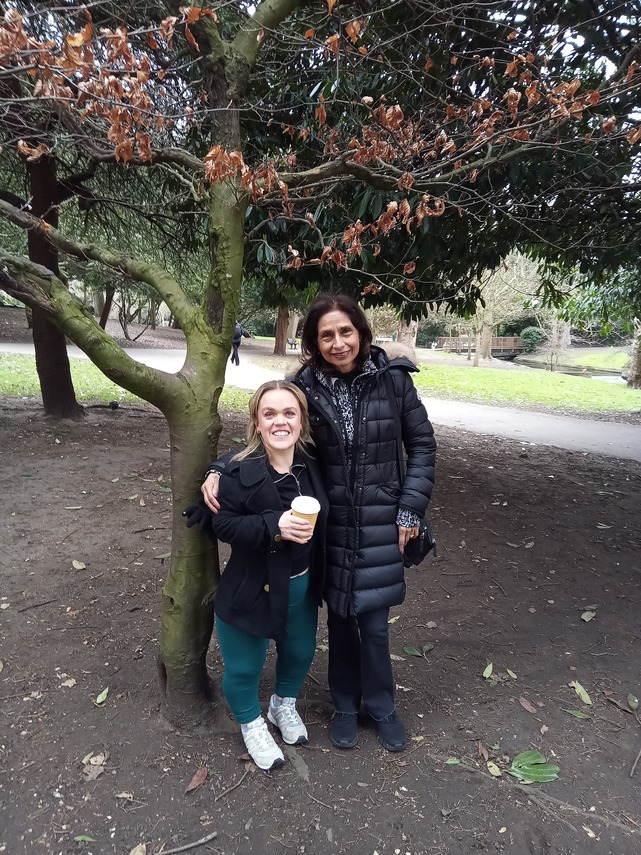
x=261 y=746
x=286 y=719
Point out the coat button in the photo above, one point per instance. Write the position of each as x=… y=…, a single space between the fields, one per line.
x=266 y=588
x=278 y=538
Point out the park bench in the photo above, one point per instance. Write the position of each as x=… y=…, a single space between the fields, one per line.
x=293 y=343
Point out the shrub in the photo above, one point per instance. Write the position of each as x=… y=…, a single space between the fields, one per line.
x=531 y=338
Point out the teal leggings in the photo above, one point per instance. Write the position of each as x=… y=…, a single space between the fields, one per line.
x=244 y=654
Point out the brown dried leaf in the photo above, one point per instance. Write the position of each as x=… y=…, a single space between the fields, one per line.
x=528 y=706
x=483 y=752
x=200 y=776
x=92 y=772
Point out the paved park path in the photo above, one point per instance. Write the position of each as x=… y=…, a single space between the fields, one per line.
x=582 y=435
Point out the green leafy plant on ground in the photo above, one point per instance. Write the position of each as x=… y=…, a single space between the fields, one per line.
x=532 y=767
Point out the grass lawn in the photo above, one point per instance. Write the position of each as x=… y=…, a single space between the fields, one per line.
x=18 y=378
x=606 y=358
x=514 y=388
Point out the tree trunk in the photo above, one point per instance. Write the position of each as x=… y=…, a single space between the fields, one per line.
x=282 y=322
x=485 y=344
x=190 y=587
x=52 y=361
x=634 y=373
x=110 y=292
x=406 y=333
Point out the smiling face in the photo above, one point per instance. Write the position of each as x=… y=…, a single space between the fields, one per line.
x=338 y=340
x=279 y=421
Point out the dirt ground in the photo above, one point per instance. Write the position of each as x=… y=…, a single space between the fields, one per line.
x=530 y=540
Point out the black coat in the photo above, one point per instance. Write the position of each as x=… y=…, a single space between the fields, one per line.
x=364 y=564
x=253 y=593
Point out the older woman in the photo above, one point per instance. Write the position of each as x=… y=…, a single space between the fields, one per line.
x=357 y=397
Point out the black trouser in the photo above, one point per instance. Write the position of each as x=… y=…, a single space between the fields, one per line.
x=360 y=668
x=234 y=352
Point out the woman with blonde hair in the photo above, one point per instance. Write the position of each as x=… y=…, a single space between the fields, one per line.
x=273 y=583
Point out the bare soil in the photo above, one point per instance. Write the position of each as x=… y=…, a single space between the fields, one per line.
x=530 y=540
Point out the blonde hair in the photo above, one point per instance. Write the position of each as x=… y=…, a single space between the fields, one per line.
x=254 y=441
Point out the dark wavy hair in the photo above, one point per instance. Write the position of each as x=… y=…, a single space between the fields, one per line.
x=324 y=303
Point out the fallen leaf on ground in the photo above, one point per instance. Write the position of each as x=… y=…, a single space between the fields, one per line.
x=141 y=849
x=578 y=688
x=588 y=616
x=394 y=619
x=102 y=697
x=528 y=705
x=493 y=769
x=511 y=673
x=483 y=752
x=576 y=713
x=200 y=776
x=92 y=772
x=69 y=684
x=487 y=671
x=78 y=565
x=452 y=761
x=633 y=702
x=127 y=797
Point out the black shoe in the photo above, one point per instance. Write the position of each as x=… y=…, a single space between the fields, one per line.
x=391 y=733
x=343 y=731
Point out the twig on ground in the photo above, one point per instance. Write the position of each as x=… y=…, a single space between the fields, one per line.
x=193 y=845
x=500 y=587
x=634 y=765
x=36 y=605
x=233 y=786
x=320 y=802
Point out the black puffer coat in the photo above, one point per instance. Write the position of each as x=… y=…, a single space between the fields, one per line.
x=364 y=565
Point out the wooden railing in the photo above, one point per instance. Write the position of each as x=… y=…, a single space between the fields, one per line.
x=460 y=344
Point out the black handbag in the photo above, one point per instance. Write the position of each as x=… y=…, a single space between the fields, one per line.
x=419 y=547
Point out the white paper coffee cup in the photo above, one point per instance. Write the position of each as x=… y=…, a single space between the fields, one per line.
x=306 y=507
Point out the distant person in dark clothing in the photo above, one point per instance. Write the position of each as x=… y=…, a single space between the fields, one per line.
x=239 y=333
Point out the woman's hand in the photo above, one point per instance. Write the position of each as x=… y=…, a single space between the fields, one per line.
x=405 y=534
x=294 y=528
x=209 y=489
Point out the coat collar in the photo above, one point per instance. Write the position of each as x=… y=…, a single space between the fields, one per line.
x=254 y=469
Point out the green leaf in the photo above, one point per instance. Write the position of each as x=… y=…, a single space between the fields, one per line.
x=453 y=761
x=527 y=757
x=394 y=619
x=427 y=647
x=633 y=702
x=532 y=767
x=511 y=673
x=412 y=651
x=488 y=671
x=83 y=838
x=578 y=688
x=539 y=773
x=102 y=697
x=164 y=489
x=575 y=713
